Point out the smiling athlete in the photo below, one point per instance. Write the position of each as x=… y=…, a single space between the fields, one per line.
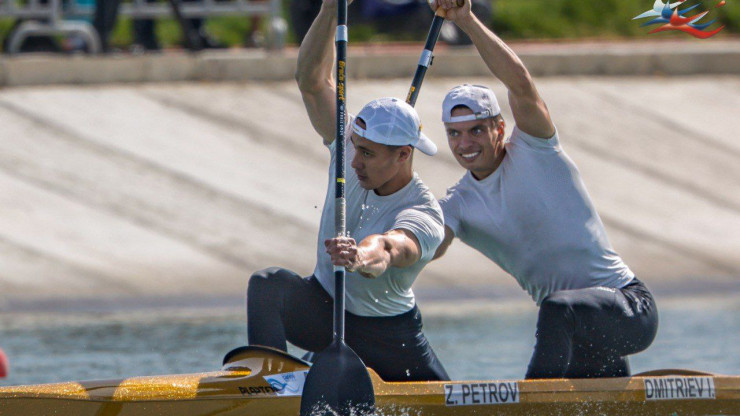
x=523 y=204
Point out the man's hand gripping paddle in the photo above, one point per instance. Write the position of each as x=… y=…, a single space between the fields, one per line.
x=338 y=382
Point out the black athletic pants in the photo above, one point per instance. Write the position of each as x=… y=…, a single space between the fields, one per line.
x=282 y=306
x=589 y=332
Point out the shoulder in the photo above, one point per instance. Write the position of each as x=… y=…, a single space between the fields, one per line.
x=520 y=138
x=419 y=192
x=456 y=192
x=453 y=203
x=418 y=203
x=422 y=199
x=421 y=215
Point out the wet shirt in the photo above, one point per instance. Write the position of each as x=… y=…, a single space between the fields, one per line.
x=533 y=217
x=412 y=208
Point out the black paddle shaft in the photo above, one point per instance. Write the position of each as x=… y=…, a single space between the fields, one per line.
x=425 y=60
x=340 y=203
x=426 y=56
x=338 y=382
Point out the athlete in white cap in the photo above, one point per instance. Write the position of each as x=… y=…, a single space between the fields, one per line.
x=523 y=204
x=394 y=225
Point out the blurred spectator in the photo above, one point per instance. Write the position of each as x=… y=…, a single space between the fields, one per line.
x=3 y=364
x=106 y=13
x=145 y=37
x=254 y=38
x=76 y=42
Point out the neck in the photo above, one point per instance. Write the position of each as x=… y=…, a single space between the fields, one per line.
x=395 y=184
x=484 y=173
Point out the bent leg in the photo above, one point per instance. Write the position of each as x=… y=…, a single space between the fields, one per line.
x=556 y=325
x=595 y=328
x=282 y=306
x=309 y=322
x=395 y=347
x=586 y=362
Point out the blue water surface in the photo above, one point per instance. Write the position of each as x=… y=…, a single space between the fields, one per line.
x=474 y=341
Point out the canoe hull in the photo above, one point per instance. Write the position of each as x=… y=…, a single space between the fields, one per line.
x=265 y=382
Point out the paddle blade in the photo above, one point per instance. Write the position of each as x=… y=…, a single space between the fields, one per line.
x=338 y=384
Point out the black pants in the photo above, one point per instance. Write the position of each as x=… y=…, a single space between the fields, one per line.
x=106 y=14
x=589 y=332
x=145 y=30
x=282 y=306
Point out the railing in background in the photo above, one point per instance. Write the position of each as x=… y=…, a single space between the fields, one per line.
x=52 y=18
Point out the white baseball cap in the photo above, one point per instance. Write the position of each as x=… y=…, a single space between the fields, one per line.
x=393 y=122
x=478 y=98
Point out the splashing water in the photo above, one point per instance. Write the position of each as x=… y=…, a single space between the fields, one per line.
x=323 y=409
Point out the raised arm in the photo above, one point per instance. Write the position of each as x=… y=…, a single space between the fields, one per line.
x=530 y=112
x=315 y=72
x=376 y=253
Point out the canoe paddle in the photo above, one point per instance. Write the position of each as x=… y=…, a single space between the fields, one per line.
x=338 y=382
x=426 y=54
x=426 y=57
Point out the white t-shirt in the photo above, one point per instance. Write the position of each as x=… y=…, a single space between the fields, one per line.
x=533 y=217
x=412 y=208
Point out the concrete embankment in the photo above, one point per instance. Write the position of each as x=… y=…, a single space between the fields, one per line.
x=140 y=193
x=670 y=57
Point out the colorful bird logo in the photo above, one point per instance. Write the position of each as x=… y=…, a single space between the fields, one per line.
x=673 y=18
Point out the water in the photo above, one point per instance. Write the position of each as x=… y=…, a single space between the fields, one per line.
x=473 y=341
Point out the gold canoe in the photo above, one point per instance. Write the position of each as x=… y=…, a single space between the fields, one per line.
x=260 y=381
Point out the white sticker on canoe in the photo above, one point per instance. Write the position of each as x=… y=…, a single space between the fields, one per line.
x=492 y=392
x=679 y=388
x=288 y=384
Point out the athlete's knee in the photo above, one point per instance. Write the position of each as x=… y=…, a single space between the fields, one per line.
x=265 y=280
x=641 y=336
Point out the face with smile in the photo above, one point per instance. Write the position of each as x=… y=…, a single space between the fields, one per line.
x=478 y=145
x=380 y=167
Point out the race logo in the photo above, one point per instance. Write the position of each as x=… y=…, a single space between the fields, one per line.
x=287 y=384
x=672 y=17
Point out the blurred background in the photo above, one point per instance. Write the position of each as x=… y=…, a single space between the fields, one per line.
x=142 y=25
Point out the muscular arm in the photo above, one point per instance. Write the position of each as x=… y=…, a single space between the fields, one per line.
x=446 y=242
x=376 y=253
x=315 y=72
x=530 y=112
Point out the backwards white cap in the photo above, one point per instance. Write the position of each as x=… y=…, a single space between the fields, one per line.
x=481 y=100
x=393 y=122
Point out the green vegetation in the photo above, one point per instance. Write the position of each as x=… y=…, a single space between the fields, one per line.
x=513 y=19
x=573 y=19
